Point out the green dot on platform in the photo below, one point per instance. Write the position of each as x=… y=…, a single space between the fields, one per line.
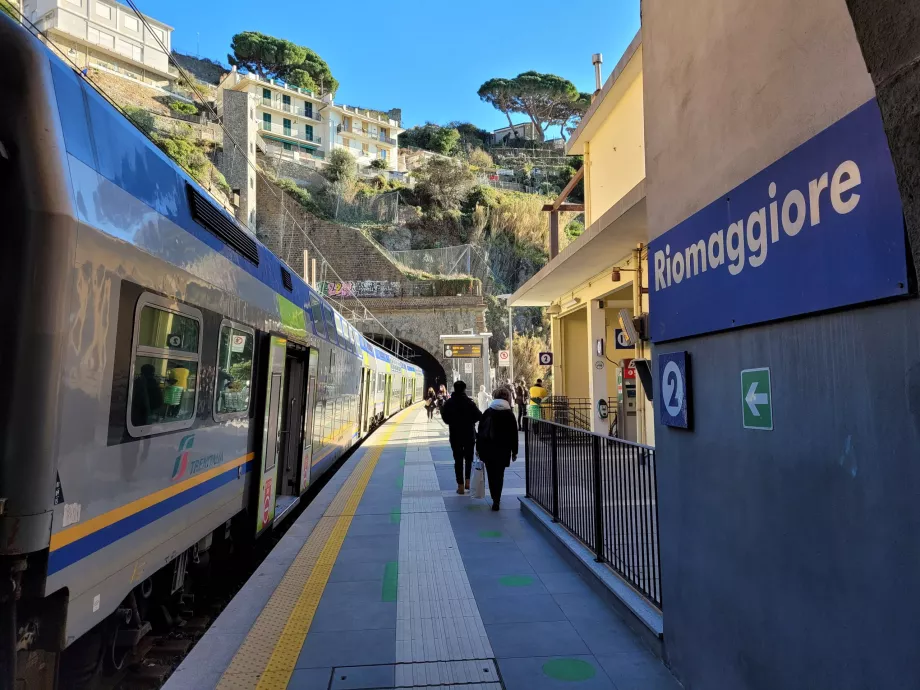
x=515 y=581
x=568 y=669
x=490 y=534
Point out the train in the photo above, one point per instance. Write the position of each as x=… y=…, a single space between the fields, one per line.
x=166 y=374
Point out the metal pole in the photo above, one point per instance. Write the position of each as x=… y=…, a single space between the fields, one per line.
x=510 y=342
x=555 y=474
x=598 y=503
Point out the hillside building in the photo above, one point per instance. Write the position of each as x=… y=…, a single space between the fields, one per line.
x=306 y=127
x=604 y=271
x=106 y=35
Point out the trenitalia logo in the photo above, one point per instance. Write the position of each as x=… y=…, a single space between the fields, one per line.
x=181 y=466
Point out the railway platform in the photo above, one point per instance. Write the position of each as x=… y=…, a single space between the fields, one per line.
x=389 y=579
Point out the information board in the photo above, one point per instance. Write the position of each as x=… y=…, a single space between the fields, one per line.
x=462 y=350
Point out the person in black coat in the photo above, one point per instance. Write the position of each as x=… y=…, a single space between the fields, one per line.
x=497 y=441
x=461 y=414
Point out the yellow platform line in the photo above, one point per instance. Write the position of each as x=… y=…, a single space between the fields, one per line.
x=267 y=657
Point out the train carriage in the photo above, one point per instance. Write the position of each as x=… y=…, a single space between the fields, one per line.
x=172 y=375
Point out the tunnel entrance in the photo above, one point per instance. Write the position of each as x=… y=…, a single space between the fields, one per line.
x=418 y=355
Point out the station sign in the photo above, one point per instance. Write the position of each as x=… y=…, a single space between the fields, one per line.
x=674 y=385
x=462 y=350
x=821 y=228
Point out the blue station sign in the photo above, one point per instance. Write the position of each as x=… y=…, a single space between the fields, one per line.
x=821 y=228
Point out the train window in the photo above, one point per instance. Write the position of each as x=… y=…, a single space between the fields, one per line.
x=164 y=372
x=330 y=322
x=316 y=314
x=234 y=371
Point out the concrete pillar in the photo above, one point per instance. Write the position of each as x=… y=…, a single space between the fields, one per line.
x=597 y=376
x=556 y=348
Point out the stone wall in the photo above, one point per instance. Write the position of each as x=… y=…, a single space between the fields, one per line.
x=305 y=176
x=234 y=163
x=279 y=220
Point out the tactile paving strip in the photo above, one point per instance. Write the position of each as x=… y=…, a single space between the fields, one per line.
x=437 y=616
x=267 y=656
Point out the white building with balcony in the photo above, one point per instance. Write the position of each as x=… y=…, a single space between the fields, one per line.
x=107 y=35
x=306 y=127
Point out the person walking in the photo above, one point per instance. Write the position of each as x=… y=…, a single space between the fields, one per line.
x=497 y=441
x=461 y=414
x=520 y=399
x=431 y=402
x=483 y=399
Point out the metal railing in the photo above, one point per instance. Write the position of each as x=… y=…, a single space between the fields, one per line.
x=605 y=492
x=370 y=134
x=294 y=132
x=279 y=104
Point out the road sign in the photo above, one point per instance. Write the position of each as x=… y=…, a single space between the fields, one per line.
x=674 y=382
x=629 y=369
x=546 y=359
x=504 y=358
x=462 y=350
x=622 y=342
x=756 y=399
x=467 y=367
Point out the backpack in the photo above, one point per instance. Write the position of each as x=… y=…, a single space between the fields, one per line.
x=486 y=432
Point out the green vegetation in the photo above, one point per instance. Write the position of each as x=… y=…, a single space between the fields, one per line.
x=341 y=166
x=481 y=159
x=547 y=99
x=9 y=9
x=379 y=164
x=183 y=107
x=449 y=140
x=142 y=119
x=271 y=57
x=444 y=183
x=574 y=229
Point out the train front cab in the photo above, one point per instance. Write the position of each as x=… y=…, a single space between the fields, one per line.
x=285 y=410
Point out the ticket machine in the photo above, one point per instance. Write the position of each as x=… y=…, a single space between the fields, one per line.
x=626 y=401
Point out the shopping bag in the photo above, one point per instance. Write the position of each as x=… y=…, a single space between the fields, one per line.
x=478 y=480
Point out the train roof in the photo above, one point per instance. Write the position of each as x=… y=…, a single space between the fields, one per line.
x=102 y=138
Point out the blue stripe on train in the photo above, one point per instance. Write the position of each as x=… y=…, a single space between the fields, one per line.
x=88 y=545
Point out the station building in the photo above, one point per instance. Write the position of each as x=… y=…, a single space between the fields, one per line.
x=605 y=270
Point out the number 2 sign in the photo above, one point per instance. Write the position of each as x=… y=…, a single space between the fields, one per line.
x=674 y=386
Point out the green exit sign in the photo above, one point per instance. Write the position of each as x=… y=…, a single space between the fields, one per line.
x=757 y=399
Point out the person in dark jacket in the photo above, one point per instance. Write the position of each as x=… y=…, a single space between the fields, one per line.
x=497 y=441
x=431 y=401
x=461 y=414
x=520 y=399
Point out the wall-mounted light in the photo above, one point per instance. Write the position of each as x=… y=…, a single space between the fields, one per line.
x=615 y=273
x=574 y=302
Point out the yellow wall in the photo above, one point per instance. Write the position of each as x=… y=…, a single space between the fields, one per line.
x=615 y=157
x=575 y=354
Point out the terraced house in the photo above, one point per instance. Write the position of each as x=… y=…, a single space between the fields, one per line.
x=105 y=35
x=304 y=126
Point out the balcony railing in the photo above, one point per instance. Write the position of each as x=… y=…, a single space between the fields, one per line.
x=280 y=84
x=295 y=155
x=278 y=104
x=602 y=490
x=369 y=115
x=369 y=133
x=299 y=133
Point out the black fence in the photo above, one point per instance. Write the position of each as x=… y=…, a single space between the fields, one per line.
x=603 y=490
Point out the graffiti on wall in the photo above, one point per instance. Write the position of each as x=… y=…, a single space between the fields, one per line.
x=360 y=288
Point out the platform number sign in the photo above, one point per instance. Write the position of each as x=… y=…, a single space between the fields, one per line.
x=622 y=341
x=674 y=385
x=546 y=359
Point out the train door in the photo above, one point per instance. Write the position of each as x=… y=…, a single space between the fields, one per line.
x=306 y=456
x=387 y=387
x=364 y=400
x=271 y=432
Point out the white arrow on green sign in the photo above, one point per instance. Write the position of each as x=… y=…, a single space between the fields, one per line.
x=756 y=399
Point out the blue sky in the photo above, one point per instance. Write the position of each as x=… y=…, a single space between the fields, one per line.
x=426 y=57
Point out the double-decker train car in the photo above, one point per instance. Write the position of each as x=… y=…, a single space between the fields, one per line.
x=165 y=373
